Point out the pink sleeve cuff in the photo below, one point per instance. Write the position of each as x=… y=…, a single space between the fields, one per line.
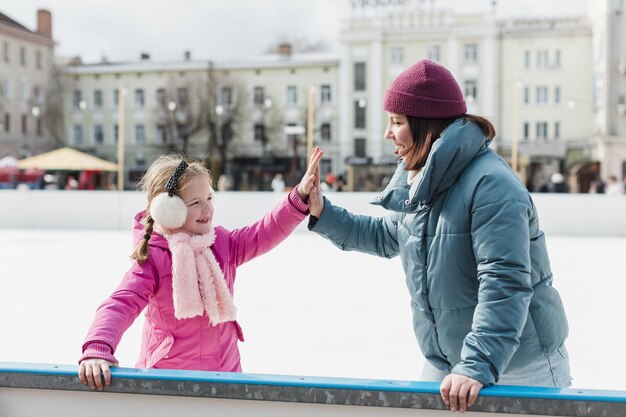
x=296 y=201
x=97 y=350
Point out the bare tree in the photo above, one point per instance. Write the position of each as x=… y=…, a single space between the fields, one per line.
x=230 y=114
x=52 y=110
x=180 y=112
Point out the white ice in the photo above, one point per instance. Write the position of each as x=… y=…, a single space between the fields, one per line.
x=306 y=308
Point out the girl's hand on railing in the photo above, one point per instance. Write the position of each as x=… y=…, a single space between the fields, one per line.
x=92 y=371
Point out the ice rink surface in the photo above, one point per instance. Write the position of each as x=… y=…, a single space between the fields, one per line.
x=306 y=308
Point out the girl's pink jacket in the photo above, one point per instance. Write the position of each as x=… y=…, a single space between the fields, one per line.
x=189 y=343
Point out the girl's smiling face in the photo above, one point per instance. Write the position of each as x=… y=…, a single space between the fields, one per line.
x=198 y=196
x=399 y=132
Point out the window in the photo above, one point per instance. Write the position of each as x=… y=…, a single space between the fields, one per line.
x=8 y=88
x=542 y=58
x=397 y=55
x=359 y=76
x=7 y=122
x=542 y=95
x=325 y=132
x=526 y=130
x=292 y=95
x=359 y=148
x=359 y=114
x=557 y=95
x=39 y=126
x=23 y=56
x=259 y=95
x=161 y=134
x=77 y=99
x=471 y=91
x=37 y=95
x=78 y=134
x=38 y=59
x=160 y=97
x=140 y=99
x=140 y=134
x=182 y=96
x=471 y=53
x=259 y=132
x=434 y=52
x=227 y=96
x=557 y=130
x=527 y=59
x=181 y=132
x=542 y=130
x=98 y=134
x=97 y=99
x=116 y=133
x=24 y=124
x=25 y=90
x=557 y=58
x=227 y=133
x=526 y=95
x=116 y=98
x=325 y=94
x=5 y=52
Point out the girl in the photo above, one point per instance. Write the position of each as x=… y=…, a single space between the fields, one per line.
x=184 y=271
x=467 y=232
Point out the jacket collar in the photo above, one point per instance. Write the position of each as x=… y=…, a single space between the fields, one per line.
x=458 y=145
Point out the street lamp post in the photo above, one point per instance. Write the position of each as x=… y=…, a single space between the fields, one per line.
x=120 y=138
x=515 y=133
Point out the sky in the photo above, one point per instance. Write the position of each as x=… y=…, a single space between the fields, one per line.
x=217 y=29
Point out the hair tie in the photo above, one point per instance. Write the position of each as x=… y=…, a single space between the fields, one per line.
x=146 y=236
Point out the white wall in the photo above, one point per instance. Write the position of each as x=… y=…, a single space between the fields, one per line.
x=559 y=214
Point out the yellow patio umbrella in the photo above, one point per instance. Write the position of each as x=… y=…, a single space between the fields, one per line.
x=66 y=159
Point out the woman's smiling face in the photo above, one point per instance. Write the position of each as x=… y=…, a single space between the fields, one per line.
x=399 y=132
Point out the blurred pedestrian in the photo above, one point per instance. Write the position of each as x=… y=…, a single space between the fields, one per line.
x=614 y=187
x=278 y=183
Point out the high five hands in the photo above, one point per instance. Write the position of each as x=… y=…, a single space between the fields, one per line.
x=311 y=178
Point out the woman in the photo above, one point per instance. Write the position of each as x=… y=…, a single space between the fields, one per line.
x=467 y=232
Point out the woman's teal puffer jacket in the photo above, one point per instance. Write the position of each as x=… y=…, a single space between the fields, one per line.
x=476 y=262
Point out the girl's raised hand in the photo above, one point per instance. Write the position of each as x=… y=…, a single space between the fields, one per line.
x=311 y=177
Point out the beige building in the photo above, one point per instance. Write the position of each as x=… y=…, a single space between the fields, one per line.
x=609 y=66
x=377 y=44
x=545 y=120
x=246 y=118
x=555 y=90
x=28 y=121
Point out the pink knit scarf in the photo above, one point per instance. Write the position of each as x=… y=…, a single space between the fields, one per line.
x=197 y=281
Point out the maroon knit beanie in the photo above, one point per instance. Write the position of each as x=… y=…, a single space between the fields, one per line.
x=426 y=90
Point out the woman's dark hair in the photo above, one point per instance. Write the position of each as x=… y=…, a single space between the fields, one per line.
x=426 y=131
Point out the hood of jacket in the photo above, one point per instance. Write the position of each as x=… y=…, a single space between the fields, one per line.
x=457 y=146
x=139 y=227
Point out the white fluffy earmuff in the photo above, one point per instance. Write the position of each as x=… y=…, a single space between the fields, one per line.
x=167 y=209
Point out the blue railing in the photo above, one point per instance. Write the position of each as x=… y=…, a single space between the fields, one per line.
x=305 y=389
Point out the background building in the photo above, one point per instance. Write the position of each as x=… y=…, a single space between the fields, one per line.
x=555 y=89
x=609 y=83
x=246 y=118
x=29 y=118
